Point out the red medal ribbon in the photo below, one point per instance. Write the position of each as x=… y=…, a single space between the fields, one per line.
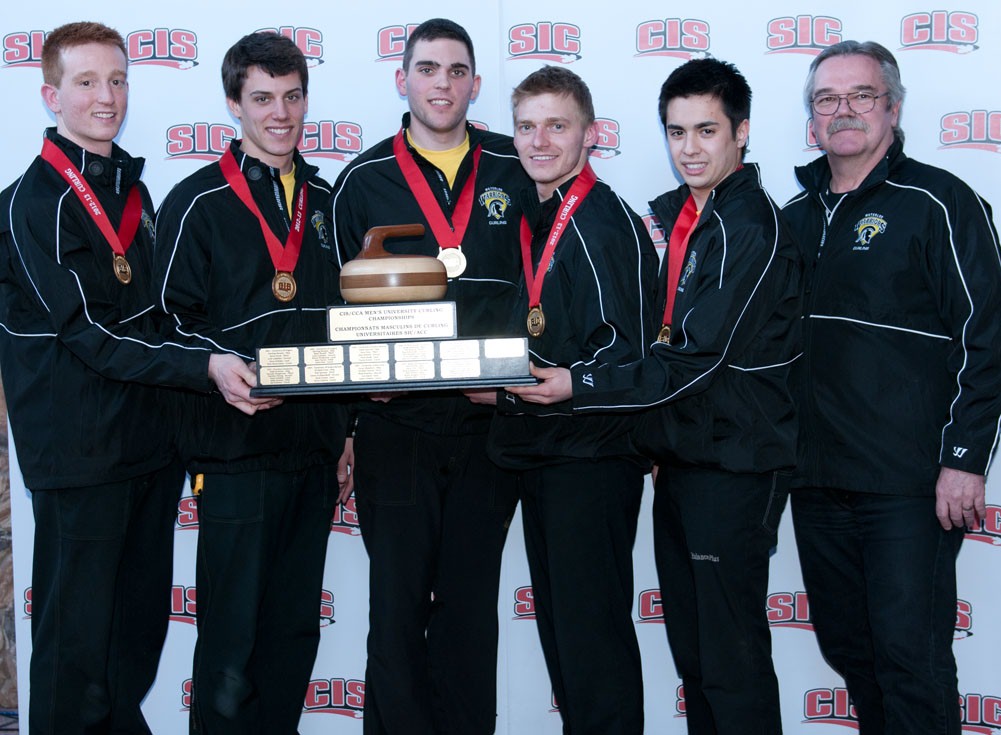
x=119 y=241
x=684 y=226
x=284 y=257
x=448 y=236
x=578 y=192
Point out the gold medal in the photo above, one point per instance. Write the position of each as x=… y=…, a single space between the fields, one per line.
x=453 y=260
x=665 y=334
x=123 y=271
x=283 y=286
x=536 y=321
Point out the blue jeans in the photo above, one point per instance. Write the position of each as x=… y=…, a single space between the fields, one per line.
x=880 y=573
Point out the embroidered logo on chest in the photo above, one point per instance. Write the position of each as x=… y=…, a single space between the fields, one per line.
x=688 y=271
x=867 y=228
x=496 y=201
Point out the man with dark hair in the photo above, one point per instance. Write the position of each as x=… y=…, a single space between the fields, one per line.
x=243 y=259
x=82 y=351
x=722 y=425
x=433 y=510
x=589 y=273
x=900 y=394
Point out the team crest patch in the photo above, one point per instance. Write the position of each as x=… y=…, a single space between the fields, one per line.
x=147 y=223
x=867 y=228
x=688 y=271
x=320 y=225
x=496 y=201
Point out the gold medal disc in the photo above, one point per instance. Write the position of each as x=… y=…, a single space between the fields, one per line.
x=536 y=321
x=123 y=271
x=283 y=286
x=453 y=260
x=665 y=334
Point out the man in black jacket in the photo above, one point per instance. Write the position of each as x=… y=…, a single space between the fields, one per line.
x=82 y=352
x=585 y=300
x=243 y=259
x=721 y=424
x=900 y=393
x=433 y=510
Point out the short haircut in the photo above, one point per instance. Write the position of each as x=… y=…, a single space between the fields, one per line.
x=712 y=77
x=880 y=54
x=272 y=52
x=560 y=81
x=432 y=30
x=75 y=34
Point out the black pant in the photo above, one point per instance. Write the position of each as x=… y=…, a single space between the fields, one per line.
x=100 y=584
x=580 y=525
x=262 y=543
x=880 y=573
x=434 y=513
x=713 y=533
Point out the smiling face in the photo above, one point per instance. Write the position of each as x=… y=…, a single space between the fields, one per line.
x=439 y=85
x=271 y=111
x=704 y=148
x=92 y=97
x=552 y=140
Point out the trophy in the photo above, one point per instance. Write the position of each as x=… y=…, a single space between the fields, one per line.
x=395 y=334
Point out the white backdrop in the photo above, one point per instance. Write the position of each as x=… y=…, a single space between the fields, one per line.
x=178 y=120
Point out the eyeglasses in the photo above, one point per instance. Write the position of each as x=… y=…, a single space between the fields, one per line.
x=858 y=102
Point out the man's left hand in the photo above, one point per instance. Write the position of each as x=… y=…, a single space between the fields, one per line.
x=959 y=499
x=554 y=386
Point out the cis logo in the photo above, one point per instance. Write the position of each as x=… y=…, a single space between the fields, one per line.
x=680 y=708
x=163 y=47
x=326 y=608
x=953 y=32
x=546 y=40
x=978 y=130
x=391 y=40
x=964 y=620
x=345 y=518
x=524 y=604
x=200 y=140
x=345 y=697
x=990 y=529
x=829 y=707
x=651 y=607
x=27 y=603
x=186 y=695
x=187 y=513
x=804 y=34
x=789 y=610
x=309 y=41
x=655 y=230
x=183 y=607
x=23 y=48
x=608 y=138
x=683 y=38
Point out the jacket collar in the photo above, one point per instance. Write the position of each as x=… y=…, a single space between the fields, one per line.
x=815 y=176
x=119 y=170
x=669 y=204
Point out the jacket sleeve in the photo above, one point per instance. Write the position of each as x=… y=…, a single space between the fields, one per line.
x=61 y=269
x=608 y=287
x=745 y=278
x=185 y=236
x=966 y=275
x=348 y=213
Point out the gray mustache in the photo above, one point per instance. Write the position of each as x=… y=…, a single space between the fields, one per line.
x=847 y=123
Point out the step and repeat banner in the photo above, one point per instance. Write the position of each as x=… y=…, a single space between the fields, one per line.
x=178 y=120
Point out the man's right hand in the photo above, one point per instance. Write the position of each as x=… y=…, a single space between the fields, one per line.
x=234 y=379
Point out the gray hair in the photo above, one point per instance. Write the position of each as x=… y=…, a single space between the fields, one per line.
x=880 y=54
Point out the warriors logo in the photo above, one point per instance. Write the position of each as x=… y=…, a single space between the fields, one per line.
x=496 y=201
x=867 y=228
x=682 y=38
x=688 y=271
x=322 y=232
x=940 y=30
x=804 y=34
x=976 y=129
x=147 y=223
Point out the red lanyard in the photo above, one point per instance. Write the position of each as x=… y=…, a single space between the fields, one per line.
x=578 y=192
x=446 y=235
x=119 y=241
x=684 y=226
x=284 y=257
